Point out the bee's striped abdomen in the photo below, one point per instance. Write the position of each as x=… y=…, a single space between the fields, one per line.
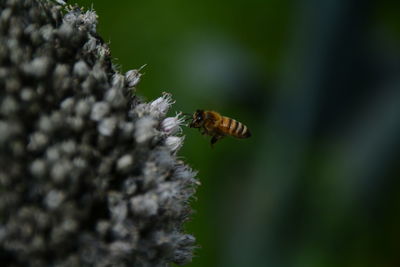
x=234 y=128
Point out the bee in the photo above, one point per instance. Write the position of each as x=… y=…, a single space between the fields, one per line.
x=214 y=124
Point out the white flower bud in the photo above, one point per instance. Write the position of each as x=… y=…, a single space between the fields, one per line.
x=90 y=19
x=144 y=129
x=184 y=172
x=161 y=105
x=61 y=2
x=145 y=205
x=174 y=143
x=171 y=125
x=99 y=111
x=124 y=162
x=118 y=81
x=133 y=76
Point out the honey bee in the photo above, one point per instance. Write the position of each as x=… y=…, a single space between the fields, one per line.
x=214 y=124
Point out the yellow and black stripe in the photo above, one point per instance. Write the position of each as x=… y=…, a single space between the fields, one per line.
x=234 y=128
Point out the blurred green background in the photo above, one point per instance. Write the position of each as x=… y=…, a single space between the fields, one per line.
x=318 y=83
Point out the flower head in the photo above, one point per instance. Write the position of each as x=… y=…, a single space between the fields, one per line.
x=161 y=105
x=83 y=136
x=133 y=76
x=174 y=143
x=172 y=125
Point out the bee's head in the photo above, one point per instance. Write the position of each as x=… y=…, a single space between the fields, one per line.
x=197 y=119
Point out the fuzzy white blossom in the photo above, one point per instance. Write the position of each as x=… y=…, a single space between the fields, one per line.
x=174 y=143
x=133 y=76
x=172 y=125
x=161 y=105
x=145 y=129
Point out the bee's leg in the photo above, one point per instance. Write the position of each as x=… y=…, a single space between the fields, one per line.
x=202 y=131
x=214 y=139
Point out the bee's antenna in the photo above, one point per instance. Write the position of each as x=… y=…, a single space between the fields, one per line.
x=187 y=116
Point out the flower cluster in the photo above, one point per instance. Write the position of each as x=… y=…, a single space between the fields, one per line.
x=88 y=172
